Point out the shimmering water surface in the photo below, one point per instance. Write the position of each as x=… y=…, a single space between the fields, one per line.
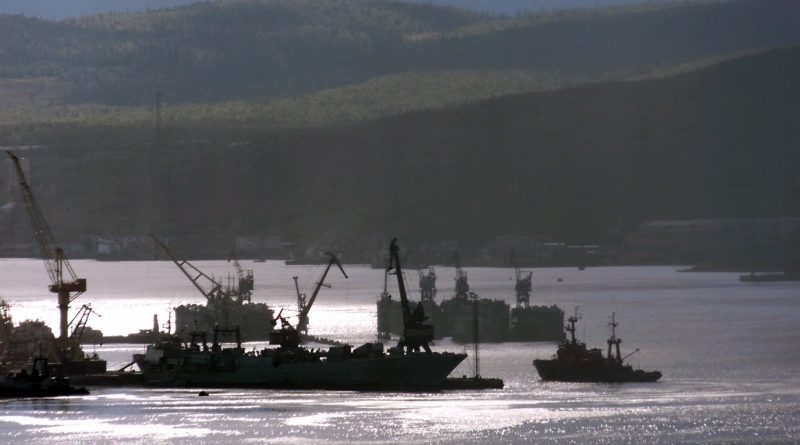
x=729 y=351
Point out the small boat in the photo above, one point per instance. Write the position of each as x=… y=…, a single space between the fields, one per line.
x=37 y=383
x=573 y=362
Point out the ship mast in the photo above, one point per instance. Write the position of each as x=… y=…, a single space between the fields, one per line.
x=571 y=326
x=301 y=304
x=614 y=340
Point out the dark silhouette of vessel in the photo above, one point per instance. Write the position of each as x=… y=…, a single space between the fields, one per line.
x=573 y=362
x=453 y=317
x=37 y=383
x=411 y=365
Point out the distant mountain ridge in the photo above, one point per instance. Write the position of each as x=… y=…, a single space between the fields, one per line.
x=580 y=164
x=59 y=9
x=246 y=50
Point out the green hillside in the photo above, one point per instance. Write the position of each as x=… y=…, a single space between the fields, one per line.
x=265 y=49
x=580 y=163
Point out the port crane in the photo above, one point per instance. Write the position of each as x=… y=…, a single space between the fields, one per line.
x=416 y=334
x=63 y=280
x=288 y=335
x=82 y=316
x=207 y=285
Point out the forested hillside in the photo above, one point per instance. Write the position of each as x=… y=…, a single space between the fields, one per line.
x=345 y=121
x=59 y=9
x=581 y=163
x=245 y=50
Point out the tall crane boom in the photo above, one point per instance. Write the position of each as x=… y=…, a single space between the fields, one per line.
x=55 y=261
x=194 y=274
x=416 y=334
x=302 y=324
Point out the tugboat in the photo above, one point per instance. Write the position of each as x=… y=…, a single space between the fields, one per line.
x=411 y=365
x=37 y=383
x=574 y=363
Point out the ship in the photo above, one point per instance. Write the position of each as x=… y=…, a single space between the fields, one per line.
x=37 y=383
x=230 y=306
x=573 y=362
x=410 y=365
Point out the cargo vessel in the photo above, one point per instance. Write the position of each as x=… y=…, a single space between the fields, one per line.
x=573 y=362
x=410 y=365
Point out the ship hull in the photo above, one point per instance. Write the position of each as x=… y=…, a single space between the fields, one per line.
x=415 y=371
x=554 y=370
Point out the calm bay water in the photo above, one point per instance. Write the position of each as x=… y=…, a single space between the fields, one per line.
x=728 y=350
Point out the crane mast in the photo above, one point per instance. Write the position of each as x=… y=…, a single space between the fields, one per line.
x=302 y=323
x=63 y=280
x=416 y=334
x=288 y=336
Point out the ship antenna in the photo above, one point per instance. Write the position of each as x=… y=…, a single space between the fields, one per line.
x=614 y=340
x=571 y=327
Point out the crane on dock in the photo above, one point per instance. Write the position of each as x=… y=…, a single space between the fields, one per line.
x=63 y=280
x=416 y=334
x=208 y=286
x=288 y=335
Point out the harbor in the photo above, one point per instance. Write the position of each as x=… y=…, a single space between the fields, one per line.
x=695 y=328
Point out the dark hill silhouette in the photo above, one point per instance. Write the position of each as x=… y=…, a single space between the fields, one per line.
x=582 y=164
x=248 y=49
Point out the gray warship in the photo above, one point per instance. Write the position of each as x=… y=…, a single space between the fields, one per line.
x=410 y=365
x=227 y=306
